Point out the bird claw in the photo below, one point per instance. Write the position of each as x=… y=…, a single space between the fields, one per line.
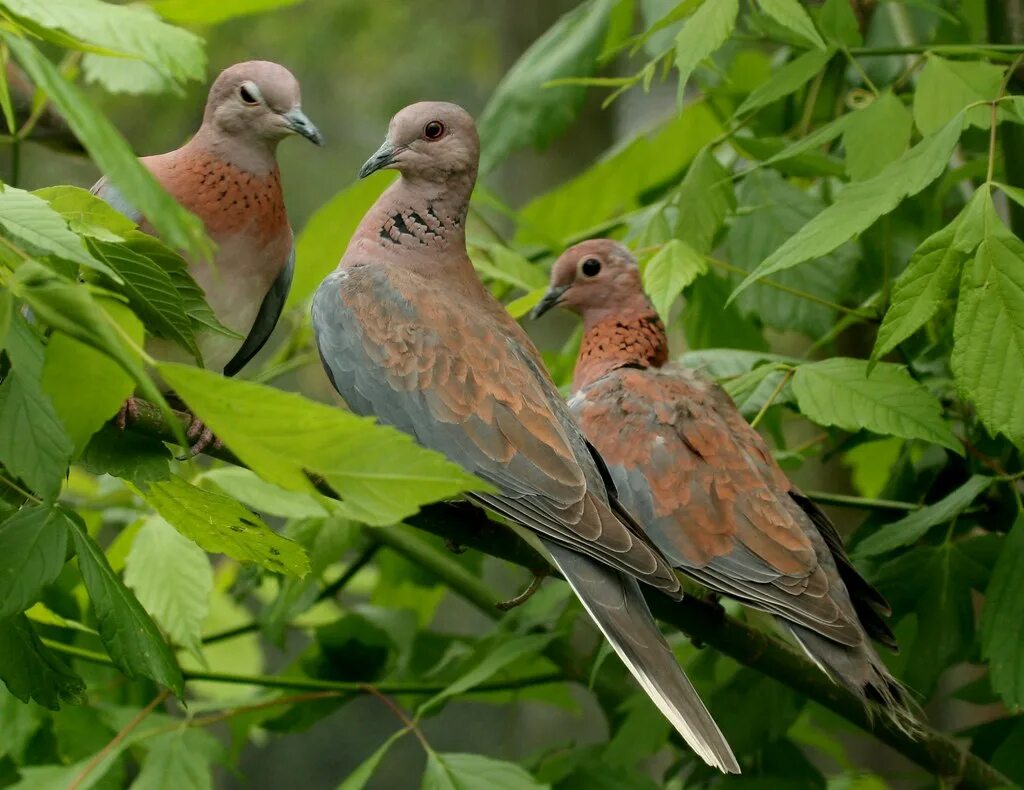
x=203 y=439
x=129 y=411
x=525 y=595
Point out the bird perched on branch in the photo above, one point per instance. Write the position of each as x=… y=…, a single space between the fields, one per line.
x=704 y=483
x=407 y=332
x=227 y=175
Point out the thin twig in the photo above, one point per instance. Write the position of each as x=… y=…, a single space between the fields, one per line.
x=771 y=398
x=410 y=725
x=15 y=487
x=121 y=735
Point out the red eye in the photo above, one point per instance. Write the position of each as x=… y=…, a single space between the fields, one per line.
x=433 y=130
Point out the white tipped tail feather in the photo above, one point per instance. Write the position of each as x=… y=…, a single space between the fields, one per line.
x=615 y=603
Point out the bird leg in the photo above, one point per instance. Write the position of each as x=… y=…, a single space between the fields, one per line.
x=202 y=438
x=713 y=599
x=129 y=411
x=525 y=595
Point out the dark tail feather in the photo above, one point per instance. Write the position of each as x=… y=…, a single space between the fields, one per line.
x=615 y=603
x=860 y=670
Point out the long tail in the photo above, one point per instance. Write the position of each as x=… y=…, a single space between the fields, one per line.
x=861 y=671
x=615 y=603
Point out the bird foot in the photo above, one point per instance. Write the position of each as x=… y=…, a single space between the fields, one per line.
x=453 y=546
x=202 y=439
x=129 y=412
x=525 y=595
x=715 y=600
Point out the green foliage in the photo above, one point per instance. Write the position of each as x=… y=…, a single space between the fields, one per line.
x=826 y=227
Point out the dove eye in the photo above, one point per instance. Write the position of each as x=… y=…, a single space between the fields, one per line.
x=247 y=96
x=590 y=267
x=433 y=130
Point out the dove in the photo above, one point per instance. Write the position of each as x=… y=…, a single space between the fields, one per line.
x=407 y=332
x=703 y=482
x=227 y=175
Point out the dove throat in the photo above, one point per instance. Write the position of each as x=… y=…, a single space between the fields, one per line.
x=635 y=338
x=417 y=217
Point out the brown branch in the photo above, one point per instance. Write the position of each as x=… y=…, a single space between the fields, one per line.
x=470 y=526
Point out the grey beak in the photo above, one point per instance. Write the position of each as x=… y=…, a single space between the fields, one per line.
x=383 y=158
x=299 y=123
x=551 y=299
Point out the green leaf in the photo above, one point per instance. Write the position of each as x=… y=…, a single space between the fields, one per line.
x=704 y=32
x=522 y=111
x=126 y=629
x=839 y=24
x=1002 y=642
x=33 y=443
x=6 y=311
x=325 y=237
x=124 y=75
x=193 y=298
x=39 y=230
x=188 y=12
x=518 y=308
x=672 y=268
x=5 y=96
x=86 y=387
x=916 y=525
x=126 y=454
x=876 y=135
x=151 y=294
x=381 y=475
x=786 y=80
x=772 y=210
x=863 y=202
x=934 y=583
x=924 y=285
x=247 y=487
x=221 y=525
x=474 y=771
x=32 y=671
x=33 y=545
x=988 y=335
x=791 y=15
x=359 y=778
x=492 y=662
x=130 y=30
x=111 y=152
x=70 y=308
x=508 y=266
x=86 y=214
x=616 y=183
x=179 y=759
x=172 y=578
x=808 y=143
x=839 y=392
x=703 y=200
x=946 y=87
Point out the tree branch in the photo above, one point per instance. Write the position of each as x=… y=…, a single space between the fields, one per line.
x=470 y=526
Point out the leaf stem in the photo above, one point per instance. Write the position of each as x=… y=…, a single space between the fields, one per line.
x=329 y=591
x=313 y=684
x=121 y=735
x=15 y=487
x=733 y=268
x=939 y=49
x=860 y=503
x=771 y=398
x=400 y=714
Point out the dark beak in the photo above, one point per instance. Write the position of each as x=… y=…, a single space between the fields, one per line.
x=551 y=299
x=384 y=157
x=299 y=123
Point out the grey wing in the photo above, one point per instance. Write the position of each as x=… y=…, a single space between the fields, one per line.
x=462 y=387
x=106 y=191
x=266 y=319
x=616 y=605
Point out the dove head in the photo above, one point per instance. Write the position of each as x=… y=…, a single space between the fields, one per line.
x=255 y=105
x=429 y=142
x=595 y=279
